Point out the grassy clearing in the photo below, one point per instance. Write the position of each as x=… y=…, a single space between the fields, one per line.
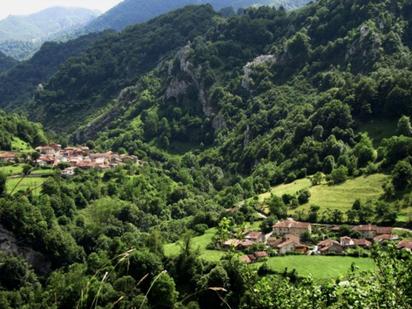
x=200 y=243
x=319 y=267
x=32 y=183
x=339 y=196
x=379 y=129
x=20 y=145
x=405 y=215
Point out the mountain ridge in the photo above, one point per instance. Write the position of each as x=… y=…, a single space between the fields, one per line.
x=131 y=12
x=40 y=26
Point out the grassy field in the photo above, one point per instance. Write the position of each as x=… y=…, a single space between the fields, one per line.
x=33 y=183
x=12 y=169
x=318 y=267
x=339 y=196
x=199 y=242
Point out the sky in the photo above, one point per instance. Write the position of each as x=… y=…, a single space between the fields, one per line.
x=25 y=7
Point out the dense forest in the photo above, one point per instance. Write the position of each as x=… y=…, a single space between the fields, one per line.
x=6 y=62
x=20 y=82
x=219 y=108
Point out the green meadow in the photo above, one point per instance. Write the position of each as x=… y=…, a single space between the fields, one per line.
x=340 y=196
x=319 y=267
x=14 y=185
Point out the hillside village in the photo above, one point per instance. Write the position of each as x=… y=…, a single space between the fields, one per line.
x=71 y=158
x=80 y=158
x=293 y=237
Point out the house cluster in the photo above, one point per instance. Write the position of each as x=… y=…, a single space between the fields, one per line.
x=369 y=234
x=79 y=157
x=8 y=156
x=286 y=237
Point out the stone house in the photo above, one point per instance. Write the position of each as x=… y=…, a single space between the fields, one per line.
x=330 y=246
x=291 y=226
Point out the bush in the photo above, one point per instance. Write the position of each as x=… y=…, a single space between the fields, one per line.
x=303 y=196
x=339 y=175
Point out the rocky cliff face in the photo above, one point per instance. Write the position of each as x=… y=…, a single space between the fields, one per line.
x=190 y=77
x=10 y=245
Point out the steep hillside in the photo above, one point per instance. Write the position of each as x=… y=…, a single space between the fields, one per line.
x=38 y=27
x=88 y=82
x=6 y=62
x=17 y=86
x=130 y=12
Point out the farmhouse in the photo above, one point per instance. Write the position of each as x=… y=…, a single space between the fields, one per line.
x=255 y=236
x=286 y=244
x=329 y=246
x=8 y=156
x=370 y=231
x=347 y=242
x=290 y=226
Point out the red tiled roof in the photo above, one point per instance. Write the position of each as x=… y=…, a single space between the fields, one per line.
x=384 y=230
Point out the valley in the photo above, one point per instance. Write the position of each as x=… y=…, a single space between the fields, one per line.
x=192 y=155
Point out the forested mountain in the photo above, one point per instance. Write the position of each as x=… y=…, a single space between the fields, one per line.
x=130 y=12
x=18 y=85
x=6 y=62
x=218 y=108
x=85 y=83
x=34 y=29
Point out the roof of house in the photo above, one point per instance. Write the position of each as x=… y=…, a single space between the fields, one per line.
x=362 y=242
x=405 y=244
x=232 y=242
x=7 y=155
x=246 y=243
x=384 y=230
x=254 y=235
x=291 y=224
x=385 y=237
x=245 y=259
x=365 y=228
x=328 y=243
x=261 y=254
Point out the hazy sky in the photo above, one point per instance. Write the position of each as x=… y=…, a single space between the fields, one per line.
x=24 y=7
